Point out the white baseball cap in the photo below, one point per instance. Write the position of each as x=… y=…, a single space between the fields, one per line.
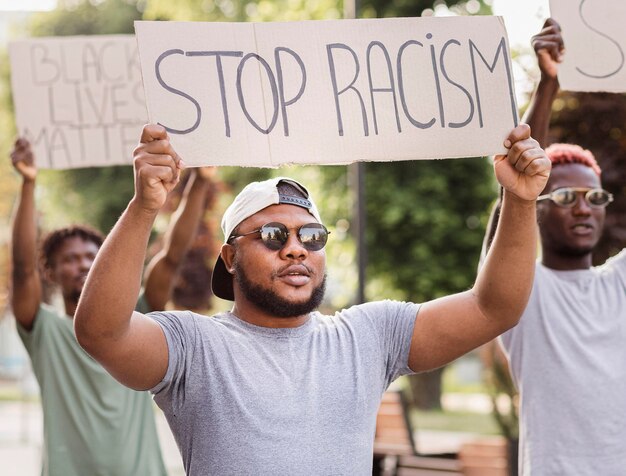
x=252 y=199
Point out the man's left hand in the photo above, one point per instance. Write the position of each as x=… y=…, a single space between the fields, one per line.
x=525 y=170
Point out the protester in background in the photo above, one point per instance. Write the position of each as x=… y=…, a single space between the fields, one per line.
x=568 y=354
x=274 y=387
x=92 y=424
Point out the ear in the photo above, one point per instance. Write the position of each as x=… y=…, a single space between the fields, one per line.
x=228 y=256
x=48 y=275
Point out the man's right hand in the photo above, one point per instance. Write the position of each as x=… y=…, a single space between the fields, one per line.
x=549 y=48
x=157 y=168
x=23 y=159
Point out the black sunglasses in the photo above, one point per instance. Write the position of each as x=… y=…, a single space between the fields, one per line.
x=566 y=197
x=313 y=236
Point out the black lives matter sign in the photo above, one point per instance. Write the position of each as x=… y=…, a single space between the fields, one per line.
x=79 y=100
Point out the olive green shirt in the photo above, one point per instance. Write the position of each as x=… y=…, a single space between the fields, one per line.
x=93 y=425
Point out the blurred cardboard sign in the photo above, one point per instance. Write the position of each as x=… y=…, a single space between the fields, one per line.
x=595 y=44
x=329 y=92
x=79 y=100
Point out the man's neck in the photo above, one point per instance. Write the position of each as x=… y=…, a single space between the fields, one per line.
x=70 y=307
x=566 y=262
x=253 y=315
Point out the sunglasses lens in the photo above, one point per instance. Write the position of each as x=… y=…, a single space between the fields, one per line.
x=598 y=197
x=274 y=235
x=313 y=236
x=564 y=197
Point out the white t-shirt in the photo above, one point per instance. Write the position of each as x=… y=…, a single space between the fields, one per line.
x=568 y=360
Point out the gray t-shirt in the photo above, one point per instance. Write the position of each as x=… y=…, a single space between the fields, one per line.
x=568 y=360
x=247 y=400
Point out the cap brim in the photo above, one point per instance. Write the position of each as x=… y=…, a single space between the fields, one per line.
x=222 y=281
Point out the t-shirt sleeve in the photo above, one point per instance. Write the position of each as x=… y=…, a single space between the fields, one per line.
x=32 y=339
x=618 y=263
x=391 y=324
x=180 y=329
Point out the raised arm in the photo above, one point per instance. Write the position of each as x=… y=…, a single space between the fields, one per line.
x=128 y=344
x=163 y=268
x=26 y=296
x=549 y=49
x=448 y=327
x=548 y=46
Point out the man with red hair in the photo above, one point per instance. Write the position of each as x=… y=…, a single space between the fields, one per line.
x=567 y=355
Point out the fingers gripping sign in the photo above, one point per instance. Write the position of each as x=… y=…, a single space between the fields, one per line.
x=525 y=170
x=157 y=167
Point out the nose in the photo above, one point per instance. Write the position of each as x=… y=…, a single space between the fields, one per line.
x=86 y=262
x=581 y=207
x=293 y=248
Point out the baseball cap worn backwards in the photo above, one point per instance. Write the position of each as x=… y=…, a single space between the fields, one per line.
x=252 y=199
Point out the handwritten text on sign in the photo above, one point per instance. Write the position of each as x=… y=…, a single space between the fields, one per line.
x=595 y=41
x=79 y=100
x=265 y=94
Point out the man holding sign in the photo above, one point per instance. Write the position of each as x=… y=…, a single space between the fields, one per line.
x=92 y=424
x=567 y=355
x=272 y=386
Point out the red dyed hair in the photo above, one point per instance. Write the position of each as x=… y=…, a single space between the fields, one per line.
x=560 y=154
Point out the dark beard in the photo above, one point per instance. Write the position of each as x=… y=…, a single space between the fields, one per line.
x=273 y=304
x=74 y=296
x=572 y=252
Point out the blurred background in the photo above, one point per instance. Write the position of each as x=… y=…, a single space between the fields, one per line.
x=401 y=230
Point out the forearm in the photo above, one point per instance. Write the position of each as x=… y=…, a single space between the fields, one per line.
x=24 y=239
x=161 y=271
x=26 y=295
x=505 y=280
x=539 y=111
x=186 y=219
x=112 y=288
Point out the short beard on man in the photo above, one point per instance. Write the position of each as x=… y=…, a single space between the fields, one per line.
x=74 y=295
x=575 y=252
x=273 y=304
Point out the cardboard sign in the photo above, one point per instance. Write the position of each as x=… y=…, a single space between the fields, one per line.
x=595 y=44
x=79 y=100
x=329 y=92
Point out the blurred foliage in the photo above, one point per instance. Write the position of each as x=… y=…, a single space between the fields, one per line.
x=9 y=183
x=597 y=121
x=81 y=17
x=427 y=223
x=416 y=8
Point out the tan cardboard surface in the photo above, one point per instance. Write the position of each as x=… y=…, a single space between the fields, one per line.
x=329 y=92
x=595 y=43
x=79 y=100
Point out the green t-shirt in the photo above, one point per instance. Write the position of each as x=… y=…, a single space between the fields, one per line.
x=93 y=425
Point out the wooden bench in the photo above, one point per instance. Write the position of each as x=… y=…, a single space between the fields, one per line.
x=395 y=451
x=486 y=456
